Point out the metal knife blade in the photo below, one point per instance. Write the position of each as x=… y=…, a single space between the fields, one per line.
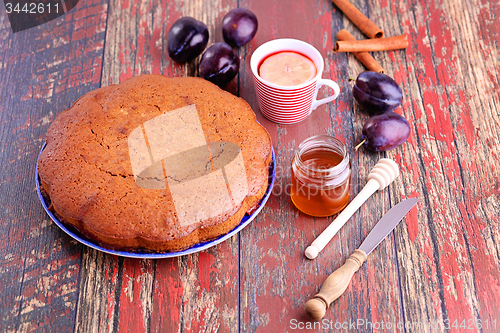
x=386 y=224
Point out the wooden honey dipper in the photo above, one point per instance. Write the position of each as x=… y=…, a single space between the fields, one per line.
x=384 y=173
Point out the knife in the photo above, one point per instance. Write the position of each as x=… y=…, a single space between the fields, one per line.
x=337 y=282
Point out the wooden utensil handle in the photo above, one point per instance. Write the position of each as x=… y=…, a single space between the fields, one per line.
x=335 y=285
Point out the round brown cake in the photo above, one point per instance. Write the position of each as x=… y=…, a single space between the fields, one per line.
x=155 y=164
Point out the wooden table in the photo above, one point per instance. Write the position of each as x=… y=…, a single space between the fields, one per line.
x=439 y=269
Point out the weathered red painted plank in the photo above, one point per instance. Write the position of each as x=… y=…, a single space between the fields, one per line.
x=450 y=156
x=199 y=294
x=193 y=293
x=448 y=164
x=439 y=268
x=277 y=278
x=435 y=94
x=43 y=70
x=135 y=295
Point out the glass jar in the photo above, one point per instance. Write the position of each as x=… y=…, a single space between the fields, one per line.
x=321 y=176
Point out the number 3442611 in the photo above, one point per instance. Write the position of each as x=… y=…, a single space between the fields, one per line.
x=470 y=324
x=32 y=8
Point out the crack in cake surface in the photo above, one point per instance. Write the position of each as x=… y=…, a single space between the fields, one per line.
x=108 y=157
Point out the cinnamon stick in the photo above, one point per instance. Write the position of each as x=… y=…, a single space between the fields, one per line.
x=371 y=45
x=359 y=19
x=364 y=57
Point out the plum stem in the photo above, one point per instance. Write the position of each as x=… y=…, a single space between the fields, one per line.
x=359 y=145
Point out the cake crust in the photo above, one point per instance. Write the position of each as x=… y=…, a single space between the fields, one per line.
x=92 y=176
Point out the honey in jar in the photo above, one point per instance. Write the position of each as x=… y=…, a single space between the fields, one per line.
x=321 y=174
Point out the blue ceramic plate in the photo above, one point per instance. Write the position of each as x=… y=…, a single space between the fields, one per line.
x=143 y=255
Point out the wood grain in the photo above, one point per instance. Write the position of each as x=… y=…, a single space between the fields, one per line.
x=439 y=268
x=43 y=70
x=193 y=293
x=277 y=279
x=450 y=164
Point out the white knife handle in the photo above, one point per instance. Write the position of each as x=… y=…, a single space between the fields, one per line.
x=384 y=173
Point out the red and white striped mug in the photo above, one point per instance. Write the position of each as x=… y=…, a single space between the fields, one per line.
x=289 y=104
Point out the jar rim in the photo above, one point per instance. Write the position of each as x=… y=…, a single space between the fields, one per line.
x=323 y=141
